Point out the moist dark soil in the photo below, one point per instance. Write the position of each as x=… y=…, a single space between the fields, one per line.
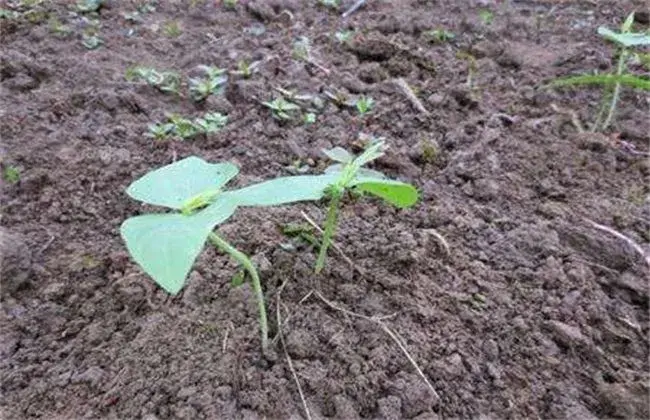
x=511 y=283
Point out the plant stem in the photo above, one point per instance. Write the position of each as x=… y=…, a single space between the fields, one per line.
x=330 y=227
x=620 y=68
x=257 y=286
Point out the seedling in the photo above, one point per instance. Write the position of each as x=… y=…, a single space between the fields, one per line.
x=11 y=174
x=281 y=109
x=91 y=42
x=246 y=69
x=89 y=6
x=230 y=4
x=364 y=105
x=58 y=28
x=302 y=51
x=165 y=81
x=166 y=245
x=439 y=36
x=486 y=16
x=330 y=4
x=344 y=36
x=185 y=129
x=613 y=82
x=309 y=118
x=211 y=123
x=351 y=174
x=172 y=29
x=160 y=131
x=213 y=83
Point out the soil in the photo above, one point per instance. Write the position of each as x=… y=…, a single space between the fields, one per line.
x=524 y=308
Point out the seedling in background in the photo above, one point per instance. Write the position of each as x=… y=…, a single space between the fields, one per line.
x=211 y=84
x=364 y=105
x=11 y=174
x=330 y=4
x=58 y=28
x=613 y=82
x=160 y=131
x=166 y=245
x=185 y=129
x=171 y=29
x=211 y=123
x=91 y=42
x=351 y=174
x=165 y=81
x=344 y=36
x=439 y=36
x=89 y=6
x=246 y=69
x=230 y=4
x=486 y=16
x=302 y=51
x=309 y=118
x=282 y=109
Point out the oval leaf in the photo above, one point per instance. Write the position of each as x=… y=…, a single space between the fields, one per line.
x=629 y=39
x=283 y=190
x=338 y=154
x=166 y=245
x=172 y=185
x=397 y=193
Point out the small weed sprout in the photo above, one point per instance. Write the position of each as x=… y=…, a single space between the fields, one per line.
x=282 y=109
x=246 y=69
x=309 y=118
x=165 y=81
x=230 y=4
x=344 y=36
x=350 y=173
x=364 y=105
x=613 y=82
x=11 y=174
x=89 y=6
x=185 y=129
x=213 y=83
x=439 y=36
x=160 y=131
x=58 y=28
x=91 y=42
x=486 y=16
x=302 y=51
x=172 y=29
x=330 y=4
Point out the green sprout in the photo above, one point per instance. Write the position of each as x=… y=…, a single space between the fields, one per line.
x=91 y=42
x=330 y=4
x=165 y=81
x=89 y=6
x=213 y=83
x=439 y=36
x=302 y=51
x=246 y=69
x=184 y=128
x=309 y=118
x=58 y=28
x=344 y=36
x=230 y=4
x=172 y=29
x=613 y=82
x=211 y=123
x=160 y=131
x=281 y=108
x=165 y=245
x=350 y=173
x=364 y=104
x=11 y=174
x=486 y=16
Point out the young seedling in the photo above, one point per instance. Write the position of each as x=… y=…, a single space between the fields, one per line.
x=211 y=123
x=351 y=174
x=439 y=36
x=230 y=4
x=165 y=81
x=11 y=174
x=486 y=16
x=282 y=109
x=246 y=69
x=344 y=36
x=613 y=82
x=213 y=83
x=89 y=6
x=364 y=105
x=330 y=4
x=165 y=245
x=91 y=42
x=160 y=131
x=172 y=29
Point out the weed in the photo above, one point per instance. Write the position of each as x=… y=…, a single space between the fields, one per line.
x=160 y=131
x=350 y=173
x=429 y=152
x=344 y=37
x=185 y=129
x=302 y=51
x=91 y=42
x=11 y=174
x=58 y=28
x=439 y=36
x=309 y=118
x=230 y=4
x=172 y=29
x=330 y=4
x=213 y=83
x=89 y=6
x=165 y=81
x=486 y=16
x=246 y=69
x=364 y=105
x=281 y=109
x=613 y=82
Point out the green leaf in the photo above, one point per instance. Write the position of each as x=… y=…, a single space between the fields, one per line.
x=166 y=245
x=172 y=185
x=282 y=190
x=372 y=152
x=630 y=39
x=339 y=154
x=604 y=80
x=399 y=194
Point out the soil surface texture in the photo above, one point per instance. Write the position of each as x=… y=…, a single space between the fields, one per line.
x=518 y=284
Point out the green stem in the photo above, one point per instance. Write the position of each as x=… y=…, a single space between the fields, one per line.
x=257 y=286
x=620 y=68
x=330 y=227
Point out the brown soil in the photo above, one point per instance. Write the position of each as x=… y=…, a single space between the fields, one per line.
x=533 y=313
